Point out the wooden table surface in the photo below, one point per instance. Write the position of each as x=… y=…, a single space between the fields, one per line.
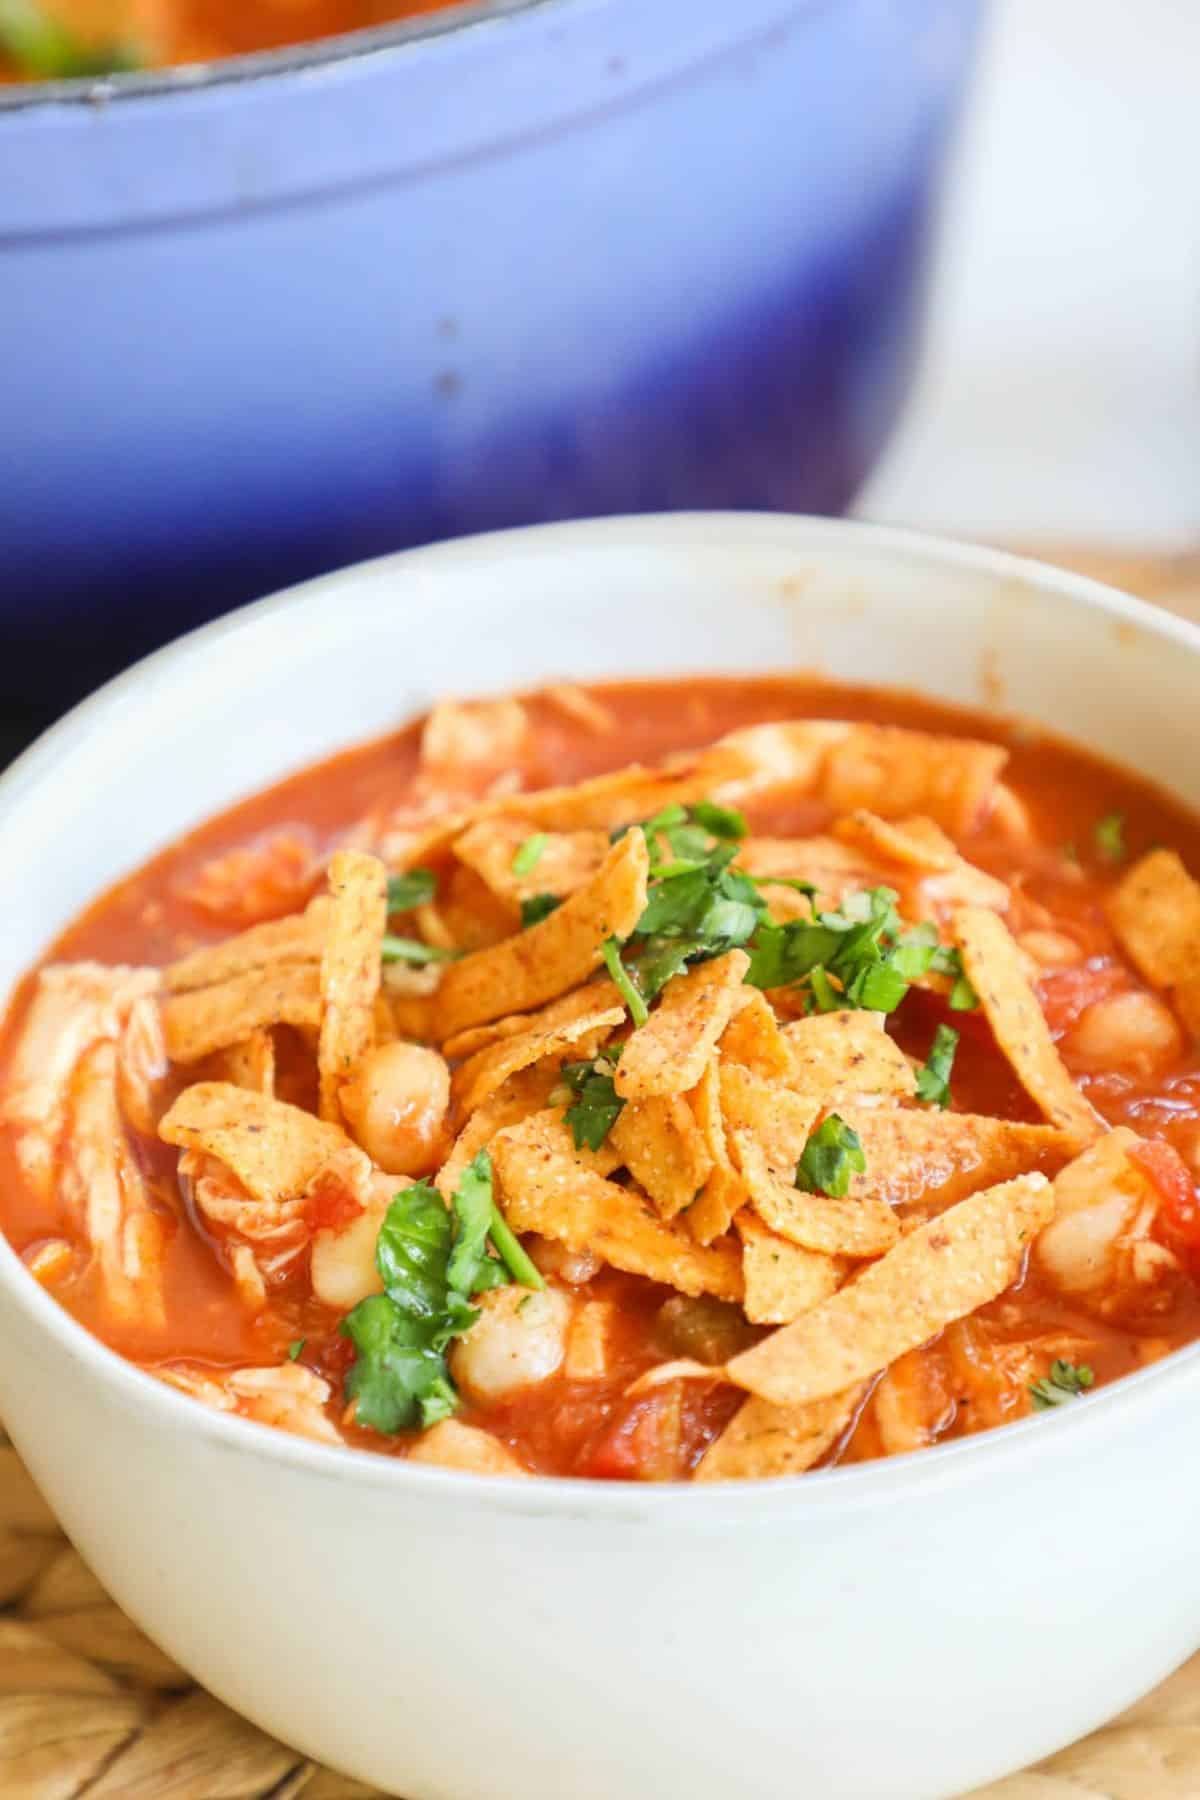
x=89 y=1707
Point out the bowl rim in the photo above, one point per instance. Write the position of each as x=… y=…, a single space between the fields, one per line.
x=886 y=1482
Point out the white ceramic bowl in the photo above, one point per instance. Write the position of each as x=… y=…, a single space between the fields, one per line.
x=898 y=1631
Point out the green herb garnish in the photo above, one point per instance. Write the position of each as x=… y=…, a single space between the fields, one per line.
x=432 y=1260
x=411 y=950
x=933 y=1081
x=295 y=1347
x=638 y=1010
x=1109 y=835
x=414 y=888
x=538 y=907
x=597 y=1104
x=1064 y=1382
x=529 y=853
x=46 y=50
x=831 y=1156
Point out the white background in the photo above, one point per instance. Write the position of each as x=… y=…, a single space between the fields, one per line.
x=1059 y=401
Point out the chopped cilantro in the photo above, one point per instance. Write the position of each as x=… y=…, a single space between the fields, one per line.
x=432 y=1260
x=1064 y=1382
x=44 y=49
x=1109 y=835
x=612 y=961
x=933 y=1081
x=529 y=853
x=411 y=950
x=538 y=907
x=721 y=821
x=831 y=1156
x=597 y=1104
x=411 y=889
x=295 y=1347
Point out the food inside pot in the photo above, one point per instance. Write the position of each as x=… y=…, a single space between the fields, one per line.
x=670 y=1081
x=63 y=40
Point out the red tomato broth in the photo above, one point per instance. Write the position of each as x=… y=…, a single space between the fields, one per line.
x=595 y=1428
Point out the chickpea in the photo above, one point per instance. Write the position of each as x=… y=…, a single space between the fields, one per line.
x=396 y=1104
x=519 y=1340
x=1135 y=1029
x=343 y=1268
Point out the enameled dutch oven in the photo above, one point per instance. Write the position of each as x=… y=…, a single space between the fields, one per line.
x=512 y=262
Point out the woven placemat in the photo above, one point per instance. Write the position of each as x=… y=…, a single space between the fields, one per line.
x=90 y=1707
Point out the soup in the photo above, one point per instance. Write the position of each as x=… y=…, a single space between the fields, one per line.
x=44 y=40
x=807 y=1076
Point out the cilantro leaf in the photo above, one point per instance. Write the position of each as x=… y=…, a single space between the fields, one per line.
x=933 y=1081
x=831 y=1156
x=411 y=950
x=1109 y=835
x=1064 y=1382
x=295 y=1347
x=44 y=49
x=621 y=981
x=413 y=1255
x=597 y=1104
x=411 y=889
x=397 y=1380
x=720 y=821
x=513 y=1254
x=655 y=963
x=538 y=907
x=528 y=854
x=470 y=1269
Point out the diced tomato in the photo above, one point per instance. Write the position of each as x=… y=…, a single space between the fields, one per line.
x=331 y=1203
x=1067 y=993
x=643 y=1443
x=1180 y=1205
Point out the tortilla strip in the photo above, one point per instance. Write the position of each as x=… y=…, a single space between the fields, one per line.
x=841 y=1055
x=553 y=956
x=525 y=1093
x=668 y=1054
x=554 y=1196
x=475 y=1079
x=779 y=1119
x=1155 y=913
x=251 y=1063
x=469 y=735
x=712 y=1211
x=275 y=1150
x=782 y=1279
x=849 y=1227
x=834 y=869
x=565 y=861
x=663 y=1148
x=350 y=970
x=207 y=1019
x=895 y=772
x=791 y=754
x=547 y=1130
x=593 y=996
x=913 y=1153
x=916 y=841
x=995 y=968
x=941 y=1272
x=764 y=1440
x=298 y=938
x=753 y=1037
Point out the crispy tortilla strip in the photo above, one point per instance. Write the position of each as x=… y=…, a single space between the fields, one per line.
x=849 y=1227
x=917 y=841
x=941 y=1272
x=547 y=1130
x=1155 y=913
x=996 y=969
x=565 y=861
x=663 y=1148
x=787 y=755
x=779 y=1119
x=914 y=1153
x=762 y=1440
x=526 y=1092
x=275 y=1150
x=471 y=735
x=782 y=1279
x=592 y=997
x=554 y=1196
x=711 y=1214
x=667 y=1055
x=843 y=1055
x=251 y=1063
x=561 y=951
x=834 y=869
x=894 y=772
x=298 y=938
x=207 y=1019
x=754 y=1039
x=475 y=1079
x=350 y=970
x=626 y=795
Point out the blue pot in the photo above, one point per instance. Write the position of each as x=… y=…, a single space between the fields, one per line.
x=533 y=261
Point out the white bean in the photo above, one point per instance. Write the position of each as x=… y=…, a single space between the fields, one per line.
x=518 y=1341
x=396 y=1104
x=1135 y=1029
